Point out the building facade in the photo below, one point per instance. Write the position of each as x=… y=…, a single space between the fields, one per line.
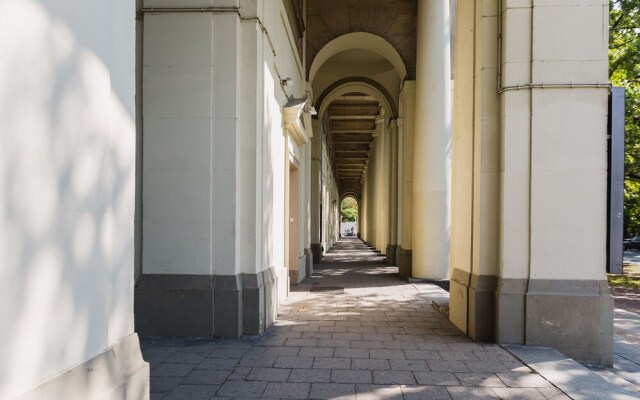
x=199 y=151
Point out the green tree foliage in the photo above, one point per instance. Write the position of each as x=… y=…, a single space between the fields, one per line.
x=349 y=209
x=624 y=70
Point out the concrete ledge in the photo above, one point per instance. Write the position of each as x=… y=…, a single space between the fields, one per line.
x=572 y=316
x=569 y=376
x=119 y=373
x=459 y=299
x=403 y=261
x=161 y=301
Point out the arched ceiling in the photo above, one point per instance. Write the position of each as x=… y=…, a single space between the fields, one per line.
x=393 y=20
x=350 y=123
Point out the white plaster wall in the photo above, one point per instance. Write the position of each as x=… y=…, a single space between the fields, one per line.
x=191 y=108
x=67 y=128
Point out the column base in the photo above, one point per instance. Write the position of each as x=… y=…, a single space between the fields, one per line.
x=573 y=316
x=119 y=373
x=391 y=254
x=309 y=261
x=472 y=304
x=510 y=310
x=403 y=261
x=206 y=305
x=253 y=304
x=316 y=249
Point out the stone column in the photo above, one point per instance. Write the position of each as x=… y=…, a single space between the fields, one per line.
x=316 y=190
x=432 y=142
x=407 y=123
x=393 y=193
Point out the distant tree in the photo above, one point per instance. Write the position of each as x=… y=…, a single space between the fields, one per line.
x=349 y=209
x=624 y=70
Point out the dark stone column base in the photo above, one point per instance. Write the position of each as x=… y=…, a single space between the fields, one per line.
x=403 y=261
x=391 y=254
x=316 y=249
x=309 y=261
x=206 y=306
x=472 y=304
x=162 y=301
x=482 y=308
x=573 y=316
x=253 y=304
x=228 y=308
x=119 y=372
x=510 y=310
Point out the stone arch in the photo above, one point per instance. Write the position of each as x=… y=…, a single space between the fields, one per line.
x=350 y=192
x=358 y=40
x=356 y=85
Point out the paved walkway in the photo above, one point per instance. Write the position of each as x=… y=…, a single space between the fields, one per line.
x=352 y=331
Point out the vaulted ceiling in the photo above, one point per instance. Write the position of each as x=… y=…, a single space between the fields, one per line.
x=350 y=126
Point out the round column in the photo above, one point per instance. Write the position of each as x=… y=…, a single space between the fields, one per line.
x=432 y=143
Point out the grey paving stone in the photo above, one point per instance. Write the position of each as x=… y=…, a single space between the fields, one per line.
x=352 y=353
x=239 y=374
x=294 y=362
x=347 y=336
x=302 y=342
x=493 y=356
x=518 y=394
x=368 y=363
x=287 y=391
x=471 y=393
x=422 y=355
x=185 y=358
x=436 y=378
x=165 y=384
x=172 y=370
x=259 y=361
x=228 y=352
x=408 y=365
x=311 y=375
x=552 y=393
x=332 y=363
x=449 y=366
x=269 y=374
x=351 y=376
x=387 y=354
x=366 y=344
x=213 y=364
x=428 y=345
x=333 y=343
x=247 y=389
x=486 y=366
x=201 y=377
x=334 y=391
x=458 y=356
x=393 y=378
x=192 y=392
x=523 y=380
x=378 y=392
x=201 y=347
x=316 y=352
x=398 y=345
x=418 y=392
x=479 y=379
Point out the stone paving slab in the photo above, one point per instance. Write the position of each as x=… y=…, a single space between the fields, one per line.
x=378 y=337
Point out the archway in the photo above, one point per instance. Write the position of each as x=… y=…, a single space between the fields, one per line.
x=349 y=216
